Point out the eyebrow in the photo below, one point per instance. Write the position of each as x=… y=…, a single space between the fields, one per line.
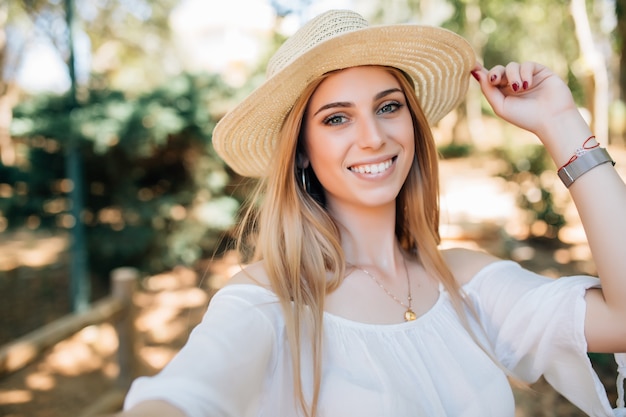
x=378 y=96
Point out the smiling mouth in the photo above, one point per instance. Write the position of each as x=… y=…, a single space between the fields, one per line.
x=373 y=168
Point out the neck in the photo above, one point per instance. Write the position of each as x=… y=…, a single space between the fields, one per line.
x=368 y=236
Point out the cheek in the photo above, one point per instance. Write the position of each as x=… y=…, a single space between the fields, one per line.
x=322 y=150
x=326 y=160
x=408 y=135
x=325 y=157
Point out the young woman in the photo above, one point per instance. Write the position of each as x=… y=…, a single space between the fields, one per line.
x=351 y=308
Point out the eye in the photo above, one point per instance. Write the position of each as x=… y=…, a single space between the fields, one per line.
x=334 y=119
x=389 y=107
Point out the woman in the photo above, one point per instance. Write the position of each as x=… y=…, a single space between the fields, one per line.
x=350 y=307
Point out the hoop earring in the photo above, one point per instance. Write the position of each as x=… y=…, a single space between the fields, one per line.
x=304 y=179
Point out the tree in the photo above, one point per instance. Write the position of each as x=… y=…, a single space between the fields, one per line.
x=594 y=68
x=620 y=11
x=156 y=194
x=126 y=46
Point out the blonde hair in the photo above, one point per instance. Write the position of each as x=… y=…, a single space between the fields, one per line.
x=300 y=243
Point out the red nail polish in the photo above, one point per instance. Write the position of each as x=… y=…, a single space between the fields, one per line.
x=493 y=78
x=475 y=75
x=525 y=85
x=515 y=86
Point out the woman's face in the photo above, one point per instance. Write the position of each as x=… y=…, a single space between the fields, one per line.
x=358 y=136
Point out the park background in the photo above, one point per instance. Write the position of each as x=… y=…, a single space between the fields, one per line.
x=106 y=114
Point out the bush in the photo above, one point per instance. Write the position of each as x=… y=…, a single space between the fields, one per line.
x=155 y=191
x=524 y=167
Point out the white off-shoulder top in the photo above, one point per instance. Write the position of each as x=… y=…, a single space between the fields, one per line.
x=237 y=362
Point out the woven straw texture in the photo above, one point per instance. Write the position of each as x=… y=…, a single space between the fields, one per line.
x=439 y=61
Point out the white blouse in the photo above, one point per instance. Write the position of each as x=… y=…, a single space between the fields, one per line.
x=237 y=362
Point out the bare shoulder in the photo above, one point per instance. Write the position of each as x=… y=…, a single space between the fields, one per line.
x=466 y=263
x=254 y=274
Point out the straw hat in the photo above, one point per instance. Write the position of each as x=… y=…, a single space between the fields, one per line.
x=439 y=61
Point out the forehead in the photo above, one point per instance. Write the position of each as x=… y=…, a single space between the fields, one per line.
x=355 y=82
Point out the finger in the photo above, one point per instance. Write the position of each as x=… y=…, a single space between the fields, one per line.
x=478 y=67
x=527 y=70
x=496 y=75
x=490 y=85
x=513 y=76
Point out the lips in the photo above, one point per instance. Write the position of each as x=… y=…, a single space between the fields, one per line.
x=373 y=168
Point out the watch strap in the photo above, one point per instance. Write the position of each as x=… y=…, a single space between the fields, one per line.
x=583 y=163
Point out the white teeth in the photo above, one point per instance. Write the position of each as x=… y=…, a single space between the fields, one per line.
x=372 y=168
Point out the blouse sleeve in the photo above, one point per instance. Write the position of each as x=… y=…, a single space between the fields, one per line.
x=226 y=359
x=535 y=326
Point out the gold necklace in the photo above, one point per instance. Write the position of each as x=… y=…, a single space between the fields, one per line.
x=409 y=314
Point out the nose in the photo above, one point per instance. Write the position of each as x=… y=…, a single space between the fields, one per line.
x=370 y=134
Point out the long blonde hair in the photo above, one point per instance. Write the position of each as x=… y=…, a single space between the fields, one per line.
x=300 y=243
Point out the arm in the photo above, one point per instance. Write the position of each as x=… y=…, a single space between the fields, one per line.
x=544 y=106
x=223 y=367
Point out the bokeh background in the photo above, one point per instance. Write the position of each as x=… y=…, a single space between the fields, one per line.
x=106 y=114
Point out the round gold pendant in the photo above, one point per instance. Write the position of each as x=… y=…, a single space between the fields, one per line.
x=409 y=315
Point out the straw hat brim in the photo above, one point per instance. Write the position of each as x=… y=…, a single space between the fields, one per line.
x=438 y=60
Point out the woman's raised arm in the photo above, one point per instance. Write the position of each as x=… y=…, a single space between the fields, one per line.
x=532 y=97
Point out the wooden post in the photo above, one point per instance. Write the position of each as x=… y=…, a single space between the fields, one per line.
x=123 y=283
x=20 y=352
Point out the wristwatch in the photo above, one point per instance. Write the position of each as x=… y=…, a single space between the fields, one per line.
x=583 y=163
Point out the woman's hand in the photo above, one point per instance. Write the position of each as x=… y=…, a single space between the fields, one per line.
x=532 y=97
x=527 y=94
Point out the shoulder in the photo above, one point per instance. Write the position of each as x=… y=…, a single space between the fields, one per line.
x=248 y=288
x=253 y=274
x=465 y=263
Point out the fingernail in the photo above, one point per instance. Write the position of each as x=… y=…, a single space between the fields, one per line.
x=515 y=86
x=525 y=85
x=475 y=75
x=493 y=77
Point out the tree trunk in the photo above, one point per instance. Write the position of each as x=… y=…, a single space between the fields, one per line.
x=620 y=11
x=8 y=96
x=8 y=100
x=595 y=68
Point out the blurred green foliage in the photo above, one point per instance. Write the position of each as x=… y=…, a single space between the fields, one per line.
x=525 y=168
x=455 y=150
x=155 y=192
